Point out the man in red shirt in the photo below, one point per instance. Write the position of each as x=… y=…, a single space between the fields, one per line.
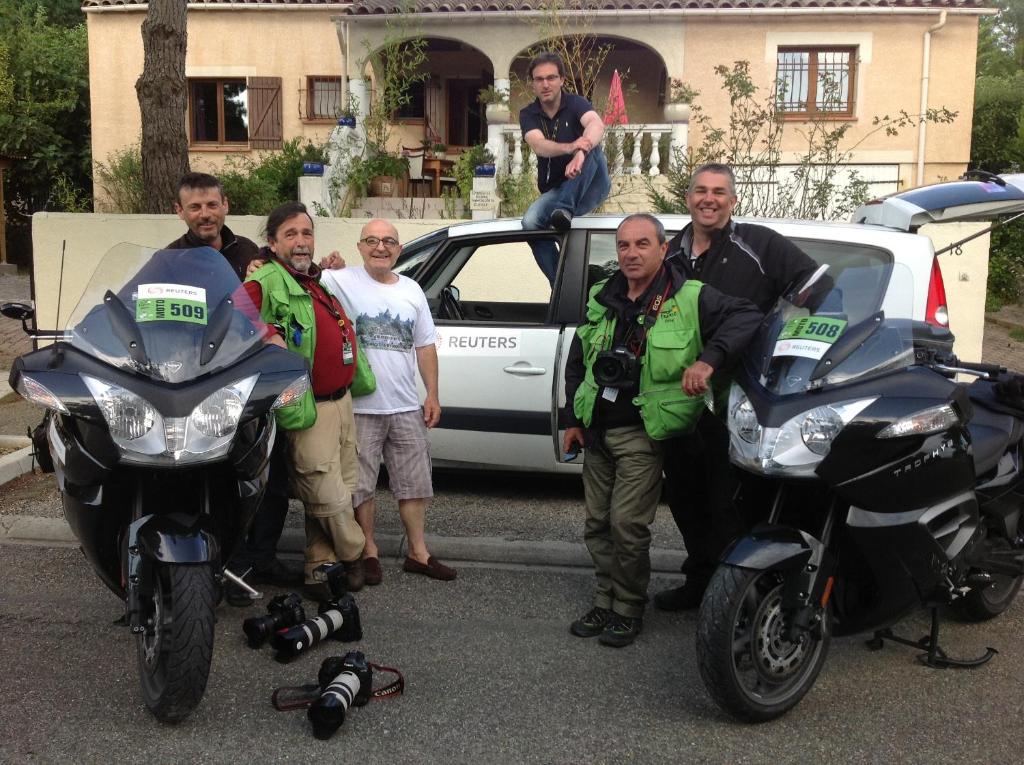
x=320 y=428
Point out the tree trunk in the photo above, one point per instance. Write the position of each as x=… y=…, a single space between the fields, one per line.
x=162 y=101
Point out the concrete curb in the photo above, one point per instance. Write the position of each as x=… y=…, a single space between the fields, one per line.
x=54 y=532
x=17 y=463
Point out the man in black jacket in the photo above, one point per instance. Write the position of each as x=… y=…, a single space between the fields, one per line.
x=201 y=203
x=743 y=260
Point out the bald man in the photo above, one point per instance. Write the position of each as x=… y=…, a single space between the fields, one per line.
x=396 y=332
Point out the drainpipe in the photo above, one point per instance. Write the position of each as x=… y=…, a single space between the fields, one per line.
x=343 y=33
x=922 y=128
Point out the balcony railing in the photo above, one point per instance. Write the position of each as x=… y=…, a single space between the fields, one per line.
x=629 y=149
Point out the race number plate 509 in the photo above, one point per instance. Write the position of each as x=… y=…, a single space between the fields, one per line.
x=170 y=309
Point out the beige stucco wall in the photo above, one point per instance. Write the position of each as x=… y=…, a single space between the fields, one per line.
x=294 y=42
x=90 y=236
x=221 y=43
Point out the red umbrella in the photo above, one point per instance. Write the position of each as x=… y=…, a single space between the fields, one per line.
x=615 y=111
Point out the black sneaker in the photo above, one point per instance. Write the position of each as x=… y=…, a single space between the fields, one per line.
x=592 y=623
x=621 y=631
x=685 y=598
x=560 y=220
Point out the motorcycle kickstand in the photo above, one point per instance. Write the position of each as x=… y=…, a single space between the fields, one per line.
x=242 y=584
x=936 y=658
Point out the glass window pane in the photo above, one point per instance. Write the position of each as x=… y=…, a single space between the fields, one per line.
x=326 y=98
x=833 y=86
x=236 y=113
x=792 y=84
x=203 y=105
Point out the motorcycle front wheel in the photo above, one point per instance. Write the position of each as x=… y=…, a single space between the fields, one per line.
x=176 y=647
x=747 y=663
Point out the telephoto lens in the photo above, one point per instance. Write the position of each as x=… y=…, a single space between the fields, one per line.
x=282 y=612
x=290 y=642
x=345 y=681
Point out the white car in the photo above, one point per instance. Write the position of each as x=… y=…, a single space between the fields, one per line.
x=504 y=332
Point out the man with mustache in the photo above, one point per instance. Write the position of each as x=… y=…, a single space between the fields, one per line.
x=319 y=427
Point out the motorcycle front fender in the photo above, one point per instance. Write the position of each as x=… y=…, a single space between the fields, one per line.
x=174 y=538
x=771 y=548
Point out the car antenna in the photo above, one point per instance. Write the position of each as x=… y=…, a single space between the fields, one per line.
x=58 y=354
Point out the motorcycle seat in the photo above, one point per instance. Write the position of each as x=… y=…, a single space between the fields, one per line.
x=991 y=434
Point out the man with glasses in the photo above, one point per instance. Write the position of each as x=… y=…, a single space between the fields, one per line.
x=396 y=331
x=565 y=133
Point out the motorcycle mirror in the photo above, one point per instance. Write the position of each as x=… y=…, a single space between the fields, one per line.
x=17 y=311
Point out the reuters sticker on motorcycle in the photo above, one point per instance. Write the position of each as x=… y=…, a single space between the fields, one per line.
x=808 y=336
x=170 y=302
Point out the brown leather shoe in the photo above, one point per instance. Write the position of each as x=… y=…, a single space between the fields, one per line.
x=374 y=573
x=433 y=568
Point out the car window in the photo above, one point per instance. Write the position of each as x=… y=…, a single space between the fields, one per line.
x=490 y=282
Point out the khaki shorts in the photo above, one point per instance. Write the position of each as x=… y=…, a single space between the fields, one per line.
x=401 y=440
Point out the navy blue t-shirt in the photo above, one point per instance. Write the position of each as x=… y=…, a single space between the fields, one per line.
x=564 y=127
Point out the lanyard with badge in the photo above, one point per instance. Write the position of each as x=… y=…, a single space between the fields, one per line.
x=348 y=355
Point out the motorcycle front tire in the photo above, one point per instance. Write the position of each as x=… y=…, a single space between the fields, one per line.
x=748 y=666
x=175 y=651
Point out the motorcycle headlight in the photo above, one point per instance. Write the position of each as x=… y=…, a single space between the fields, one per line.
x=145 y=436
x=218 y=414
x=742 y=417
x=134 y=424
x=798 y=446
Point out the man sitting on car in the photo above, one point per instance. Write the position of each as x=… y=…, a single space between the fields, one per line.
x=636 y=374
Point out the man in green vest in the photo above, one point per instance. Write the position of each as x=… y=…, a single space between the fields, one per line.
x=637 y=373
x=320 y=426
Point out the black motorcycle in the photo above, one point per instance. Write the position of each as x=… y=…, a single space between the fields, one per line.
x=892 y=487
x=160 y=398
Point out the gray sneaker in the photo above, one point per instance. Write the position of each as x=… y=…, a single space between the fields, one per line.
x=592 y=623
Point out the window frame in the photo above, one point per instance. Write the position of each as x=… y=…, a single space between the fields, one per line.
x=311 y=80
x=811 y=110
x=193 y=142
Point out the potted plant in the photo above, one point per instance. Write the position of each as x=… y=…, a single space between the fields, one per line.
x=440 y=148
x=347 y=114
x=387 y=173
x=496 y=104
x=680 y=96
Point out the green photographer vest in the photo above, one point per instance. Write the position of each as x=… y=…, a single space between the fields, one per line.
x=286 y=303
x=673 y=343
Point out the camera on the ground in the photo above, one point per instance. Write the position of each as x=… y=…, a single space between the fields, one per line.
x=617 y=368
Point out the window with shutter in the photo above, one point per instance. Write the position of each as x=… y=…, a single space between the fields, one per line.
x=266 y=130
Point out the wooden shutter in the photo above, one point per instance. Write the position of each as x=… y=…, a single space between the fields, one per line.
x=265 y=126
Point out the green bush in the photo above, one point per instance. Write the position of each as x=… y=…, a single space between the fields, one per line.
x=256 y=186
x=465 y=166
x=1006 y=265
x=120 y=177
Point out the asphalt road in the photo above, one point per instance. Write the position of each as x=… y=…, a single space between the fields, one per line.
x=492 y=677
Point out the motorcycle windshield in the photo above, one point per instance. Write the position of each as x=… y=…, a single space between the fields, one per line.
x=171 y=315
x=843 y=324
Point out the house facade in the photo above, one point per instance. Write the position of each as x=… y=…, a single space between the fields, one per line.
x=264 y=71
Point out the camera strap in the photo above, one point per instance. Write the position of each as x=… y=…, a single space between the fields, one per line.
x=662 y=285
x=292 y=697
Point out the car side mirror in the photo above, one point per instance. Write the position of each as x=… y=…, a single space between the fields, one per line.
x=18 y=311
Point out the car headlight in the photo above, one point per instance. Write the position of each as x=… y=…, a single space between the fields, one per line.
x=145 y=436
x=794 y=449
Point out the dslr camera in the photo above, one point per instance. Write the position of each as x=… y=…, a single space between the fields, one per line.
x=282 y=612
x=617 y=368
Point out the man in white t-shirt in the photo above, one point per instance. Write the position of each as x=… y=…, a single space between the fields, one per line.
x=396 y=332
